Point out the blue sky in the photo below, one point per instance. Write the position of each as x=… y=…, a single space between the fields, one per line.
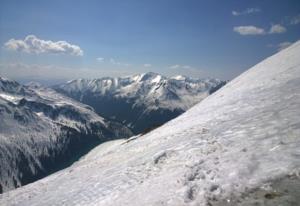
x=199 y=38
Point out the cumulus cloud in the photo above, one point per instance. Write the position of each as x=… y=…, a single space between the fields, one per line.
x=249 y=30
x=295 y=20
x=32 y=44
x=100 y=59
x=245 y=12
x=147 y=65
x=277 y=29
x=253 y=30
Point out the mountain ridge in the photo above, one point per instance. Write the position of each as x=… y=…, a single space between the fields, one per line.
x=239 y=146
x=42 y=131
x=140 y=101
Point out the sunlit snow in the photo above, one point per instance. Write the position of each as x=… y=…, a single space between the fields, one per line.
x=239 y=146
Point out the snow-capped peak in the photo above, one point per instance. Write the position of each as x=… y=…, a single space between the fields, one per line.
x=150 y=95
x=148 y=86
x=42 y=131
x=179 y=77
x=239 y=146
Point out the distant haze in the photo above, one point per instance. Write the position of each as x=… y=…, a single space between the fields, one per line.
x=54 y=41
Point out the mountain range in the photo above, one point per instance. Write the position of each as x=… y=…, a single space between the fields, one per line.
x=140 y=101
x=42 y=131
x=239 y=146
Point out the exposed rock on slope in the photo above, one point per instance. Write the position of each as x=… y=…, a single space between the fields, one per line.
x=42 y=131
x=239 y=146
x=140 y=101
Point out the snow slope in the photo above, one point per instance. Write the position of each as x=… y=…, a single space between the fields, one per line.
x=239 y=146
x=42 y=131
x=140 y=101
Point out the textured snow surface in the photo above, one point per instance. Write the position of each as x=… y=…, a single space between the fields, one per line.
x=236 y=144
x=41 y=129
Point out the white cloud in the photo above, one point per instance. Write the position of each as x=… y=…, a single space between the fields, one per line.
x=114 y=62
x=277 y=29
x=249 y=30
x=295 y=20
x=245 y=12
x=147 y=65
x=177 y=66
x=235 y=13
x=100 y=59
x=32 y=44
x=253 y=30
x=283 y=45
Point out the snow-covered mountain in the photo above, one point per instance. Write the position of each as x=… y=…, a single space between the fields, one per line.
x=239 y=146
x=42 y=131
x=140 y=101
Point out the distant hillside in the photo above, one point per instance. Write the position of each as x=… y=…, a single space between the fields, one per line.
x=140 y=101
x=238 y=147
x=42 y=131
